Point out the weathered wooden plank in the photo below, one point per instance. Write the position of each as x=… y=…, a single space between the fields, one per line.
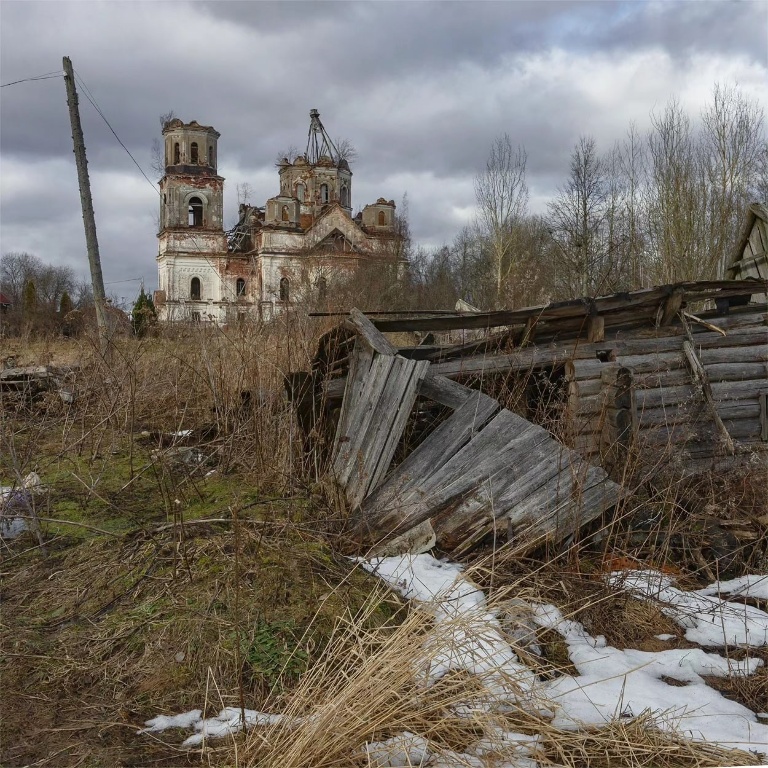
x=717 y=373
x=698 y=432
x=488 y=453
x=670 y=340
x=700 y=377
x=528 y=358
x=596 y=328
x=362 y=358
x=352 y=441
x=447 y=439
x=695 y=412
x=383 y=431
x=648 y=299
x=373 y=336
x=593 y=495
x=445 y=391
x=577 y=370
x=395 y=426
x=462 y=522
x=671 y=306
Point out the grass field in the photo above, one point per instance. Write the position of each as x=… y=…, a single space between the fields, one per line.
x=186 y=555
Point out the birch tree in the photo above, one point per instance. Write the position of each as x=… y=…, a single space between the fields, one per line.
x=577 y=221
x=732 y=141
x=501 y=194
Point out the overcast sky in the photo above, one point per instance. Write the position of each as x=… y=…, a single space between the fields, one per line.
x=420 y=88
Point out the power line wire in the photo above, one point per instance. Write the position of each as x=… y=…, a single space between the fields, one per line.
x=46 y=76
x=91 y=98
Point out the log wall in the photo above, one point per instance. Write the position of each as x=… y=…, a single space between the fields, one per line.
x=643 y=391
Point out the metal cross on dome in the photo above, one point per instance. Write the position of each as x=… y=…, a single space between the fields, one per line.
x=318 y=141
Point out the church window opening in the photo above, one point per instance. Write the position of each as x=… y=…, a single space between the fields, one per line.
x=345 y=196
x=285 y=215
x=240 y=287
x=194 y=289
x=322 y=288
x=195 y=212
x=300 y=191
x=382 y=219
x=285 y=289
x=193 y=152
x=323 y=193
x=176 y=154
x=210 y=156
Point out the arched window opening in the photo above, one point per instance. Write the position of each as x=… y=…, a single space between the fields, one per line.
x=382 y=219
x=195 y=212
x=210 y=156
x=193 y=153
x=240 y=288
x=322 y=288
x=345 y=196
x=176 y=154
x=323 y=193
x=300 y=192
x=285 y=292
x=285 y=215
x=194 y=289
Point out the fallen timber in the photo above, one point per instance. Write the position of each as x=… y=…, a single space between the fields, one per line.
x=483 y=471
x=685 y=364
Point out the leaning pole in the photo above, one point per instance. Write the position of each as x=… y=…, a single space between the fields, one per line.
x=89 y=222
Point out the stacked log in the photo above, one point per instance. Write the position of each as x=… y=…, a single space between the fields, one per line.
x=670 y=404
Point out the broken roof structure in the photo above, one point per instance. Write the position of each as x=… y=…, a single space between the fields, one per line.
x=547 y=408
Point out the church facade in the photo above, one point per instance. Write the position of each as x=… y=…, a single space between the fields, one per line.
x=297 y=248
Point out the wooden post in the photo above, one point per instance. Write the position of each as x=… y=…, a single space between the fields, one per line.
x=89 y=222
x=700 y=377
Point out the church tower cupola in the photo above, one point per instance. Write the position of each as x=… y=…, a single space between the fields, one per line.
x=192 y=191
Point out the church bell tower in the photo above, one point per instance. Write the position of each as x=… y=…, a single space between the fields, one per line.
x=192 y=242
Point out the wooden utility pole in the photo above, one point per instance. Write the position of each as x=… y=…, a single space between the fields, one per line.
x=89 y=222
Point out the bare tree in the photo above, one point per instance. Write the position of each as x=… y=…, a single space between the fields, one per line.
x=732 y=142
x=244 y=192
x=157 y=162
x=579 y=224
x=287 y=155
x=676 y=199
x=346 y=149
x=501 y=194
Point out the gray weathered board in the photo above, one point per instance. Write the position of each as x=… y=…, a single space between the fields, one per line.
x=483 y=470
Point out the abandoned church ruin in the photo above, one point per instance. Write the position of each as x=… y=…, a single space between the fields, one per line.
x=299 y=246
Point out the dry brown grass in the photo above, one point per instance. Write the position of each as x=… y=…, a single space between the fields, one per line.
x=363 y=690
x=93 y=625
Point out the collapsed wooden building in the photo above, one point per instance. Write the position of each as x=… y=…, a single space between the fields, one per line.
x=672 y=378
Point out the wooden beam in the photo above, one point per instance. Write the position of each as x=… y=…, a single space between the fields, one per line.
x=701 y=378
x=595 y=328
x=378 y=342
x=671 y=306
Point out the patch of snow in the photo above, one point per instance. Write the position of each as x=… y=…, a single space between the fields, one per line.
x=707 y=621
x=163 y=722
x=615 y=683
x=746 y=586
x=228 y=721
x=407 y=749
x=451 y=759
x=509 y=744
x=665 y=636
x=469 y=636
